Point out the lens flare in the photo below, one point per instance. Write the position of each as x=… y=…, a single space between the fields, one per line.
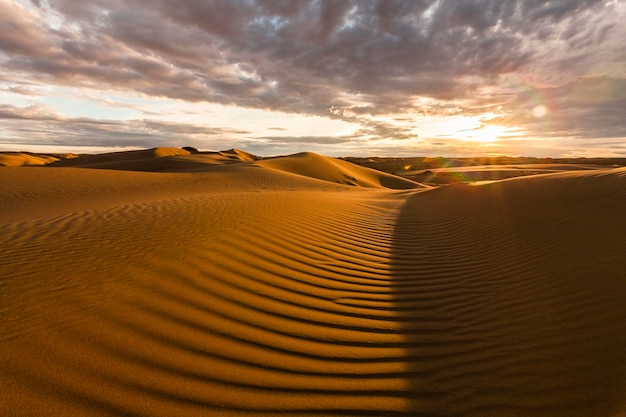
x=539 y=111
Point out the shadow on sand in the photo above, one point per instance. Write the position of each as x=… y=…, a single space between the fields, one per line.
x=512 y=301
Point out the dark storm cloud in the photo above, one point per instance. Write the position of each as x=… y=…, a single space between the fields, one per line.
x=357 y=58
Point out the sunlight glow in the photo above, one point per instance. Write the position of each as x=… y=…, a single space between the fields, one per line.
x=478 y=129
x=488 y=133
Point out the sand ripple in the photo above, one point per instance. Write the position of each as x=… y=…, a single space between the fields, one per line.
x=190 y=306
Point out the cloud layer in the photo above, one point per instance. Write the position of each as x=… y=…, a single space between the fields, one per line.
x=382 y=65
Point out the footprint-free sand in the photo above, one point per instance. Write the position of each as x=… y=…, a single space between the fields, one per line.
x=163 y=283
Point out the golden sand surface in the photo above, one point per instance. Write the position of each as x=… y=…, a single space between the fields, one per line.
x=163 y=283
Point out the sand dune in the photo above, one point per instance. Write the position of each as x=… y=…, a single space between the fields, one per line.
x=141 y=160
x=306 y=164
x=335 y=170
x=18 y=159
x=158 y=159
x=270 y=288
x=457 y=174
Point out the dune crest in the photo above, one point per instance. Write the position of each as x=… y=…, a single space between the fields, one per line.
x=239 y=155
x=312 y=165
x=17 y=159
x=129 y=160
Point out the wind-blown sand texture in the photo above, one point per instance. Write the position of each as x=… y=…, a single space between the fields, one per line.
x=237 y=286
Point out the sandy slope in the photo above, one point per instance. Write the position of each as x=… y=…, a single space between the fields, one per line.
x=251 y=290
x=18 y=159
x=335 y=170
x=457 y=174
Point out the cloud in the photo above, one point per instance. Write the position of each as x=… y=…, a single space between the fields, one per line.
x=349 y=60
x=23 y=90
x=388 y=50
x=44 y=126
x=588 y=107
x=35 y=112
x=22 y=32
x=307 y=140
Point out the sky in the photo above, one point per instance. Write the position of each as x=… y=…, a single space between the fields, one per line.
x=540 y=78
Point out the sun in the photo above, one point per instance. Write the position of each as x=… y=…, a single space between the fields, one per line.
x=478 y=129
x=485 y=133
x=489 y=133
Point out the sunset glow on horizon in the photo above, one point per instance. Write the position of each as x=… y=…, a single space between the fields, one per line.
x=347 y=78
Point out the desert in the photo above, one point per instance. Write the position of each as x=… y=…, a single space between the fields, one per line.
x=166 y=282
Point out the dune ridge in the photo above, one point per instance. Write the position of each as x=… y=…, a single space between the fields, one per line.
x=17 y=159
x=238 y=289
x=312 y=165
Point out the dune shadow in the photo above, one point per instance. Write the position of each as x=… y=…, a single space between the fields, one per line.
x=510 y=300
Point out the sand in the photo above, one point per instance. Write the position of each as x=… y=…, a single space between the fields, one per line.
x=18 y=159
x=305 y=285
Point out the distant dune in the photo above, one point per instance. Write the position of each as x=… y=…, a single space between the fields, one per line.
x=311 y=165
x=169 y=283
x=18 y=159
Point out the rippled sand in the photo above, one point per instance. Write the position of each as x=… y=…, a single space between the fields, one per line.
x=303 y=286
